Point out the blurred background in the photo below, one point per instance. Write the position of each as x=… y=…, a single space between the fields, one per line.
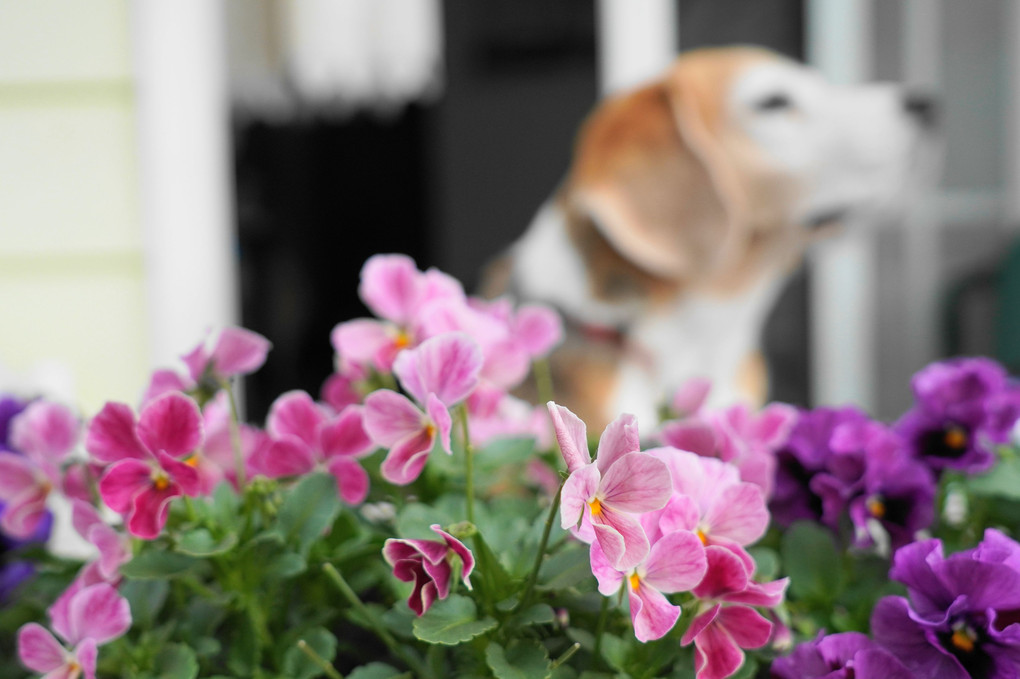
x=167 y=166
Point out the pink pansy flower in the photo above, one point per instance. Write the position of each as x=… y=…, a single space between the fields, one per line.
x=608 y=492
x=750 y=440
x=710 y=499
x=46 y=433
x=394 y=290
x=229 y=353
x=232 y=352
x=114 y=548
x=215 y=460
x=427 y=563
x=85 y=618
x=24 y=487
x=726 y=622
x=305 y=436
x=439 y=373
x=146 y=469
x=675 y=563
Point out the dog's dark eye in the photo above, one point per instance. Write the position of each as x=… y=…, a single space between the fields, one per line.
x=774 y=102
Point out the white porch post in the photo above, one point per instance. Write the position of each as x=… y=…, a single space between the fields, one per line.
x=637 y=39
x=842 y=271
x=184 y=167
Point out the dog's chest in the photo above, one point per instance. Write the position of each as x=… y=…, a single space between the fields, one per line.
x=698 y=336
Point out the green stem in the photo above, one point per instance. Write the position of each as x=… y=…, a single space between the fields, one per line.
x=235 y=438
x=567 y=654
x=323 y=664
x=381 y=632
x=469 y=467
x=533 y=577
x=543 y=380
x=600 y=628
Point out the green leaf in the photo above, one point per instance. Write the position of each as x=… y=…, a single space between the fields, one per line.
x=201 y=543
x=274 y=559
x=1003 y=480
x=176 y=661
x=811 y=561
x=523 y=659
x=451 y=622
x=297 y=664
x=146 y=599
x=309 y=508
x=225 y=506
x=767 y=562
x=567 y=568
x=157 y=564
x=539 y=614
x=374 y=670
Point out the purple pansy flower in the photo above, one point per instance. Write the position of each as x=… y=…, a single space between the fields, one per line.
x=963 y=615
x=849 y=655
x=806 y=454
x=964 y=407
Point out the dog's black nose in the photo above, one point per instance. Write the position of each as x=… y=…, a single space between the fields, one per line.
x=922 y=107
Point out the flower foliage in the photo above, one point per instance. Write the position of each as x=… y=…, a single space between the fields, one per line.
x=417 y=518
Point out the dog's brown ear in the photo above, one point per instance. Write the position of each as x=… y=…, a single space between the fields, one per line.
x=649 y=191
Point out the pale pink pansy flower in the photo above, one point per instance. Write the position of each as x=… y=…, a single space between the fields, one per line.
x=24 y=487
x=46 y=433
x=395 y=291
x=85 y=618
x=750 y=439
x=146 y=458
x=114 y=548
x=675 y=563
x=429 y=565
x=726 y=622
x=305 y=435
x=438 y=374
x=231 y=352
x=710 y=499
x=621 y=482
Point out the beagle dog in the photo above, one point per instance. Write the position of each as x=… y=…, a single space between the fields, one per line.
x=688 y=202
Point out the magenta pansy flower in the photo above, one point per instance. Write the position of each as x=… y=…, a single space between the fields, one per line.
x=726 y=622
x=675 y=563
x=429 y=565
x=621 y=482
x=306 y=435
x=85 y=618
x=146 y=458
x=439 y=373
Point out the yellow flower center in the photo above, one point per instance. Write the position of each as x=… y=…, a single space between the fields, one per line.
x=963 y=640
x=402 y=340
x=634 y=581
x=876 y=507
x=192 y=460
x=430 y=429
x=702 y=536
x=596 y=507
x=956 y=438
x=160 y=480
